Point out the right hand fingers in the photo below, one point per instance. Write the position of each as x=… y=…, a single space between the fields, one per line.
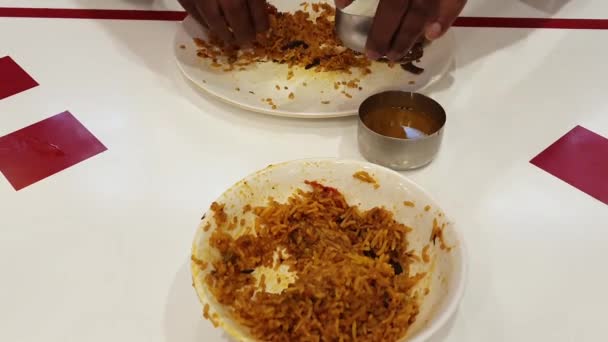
x=231 y=20
x=386 y=23
x=418 y=15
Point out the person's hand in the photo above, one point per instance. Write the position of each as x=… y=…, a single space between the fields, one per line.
x=399 y=24
x=233 y=21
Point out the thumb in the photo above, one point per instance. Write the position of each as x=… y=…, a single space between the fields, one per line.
x=448 y=12
x=343 y=3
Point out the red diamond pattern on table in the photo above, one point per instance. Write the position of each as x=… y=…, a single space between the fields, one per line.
x=38 y=151
x=579 y=158
x=13 y=79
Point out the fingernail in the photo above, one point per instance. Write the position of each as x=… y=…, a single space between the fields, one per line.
x=434 y=31
x=373 y=55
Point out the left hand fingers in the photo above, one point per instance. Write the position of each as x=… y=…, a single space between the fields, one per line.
x=420 y=13
x=259 y=15
x=237 y=16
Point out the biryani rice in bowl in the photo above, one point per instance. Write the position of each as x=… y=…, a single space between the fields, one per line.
x=324 y=250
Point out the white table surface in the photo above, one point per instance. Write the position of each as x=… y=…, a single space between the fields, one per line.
x=100 y=251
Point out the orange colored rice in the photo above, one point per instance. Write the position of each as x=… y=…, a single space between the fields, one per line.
x=305 y=39
x=353 y=275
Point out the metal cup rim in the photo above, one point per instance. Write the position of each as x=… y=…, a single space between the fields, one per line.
x=406 y=140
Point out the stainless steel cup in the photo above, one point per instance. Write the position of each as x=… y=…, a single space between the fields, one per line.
x=353 y=30
x=396 y=153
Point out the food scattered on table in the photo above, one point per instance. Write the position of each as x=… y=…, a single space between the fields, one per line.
x=409 y=204
x=366 y=178
x=349 y=275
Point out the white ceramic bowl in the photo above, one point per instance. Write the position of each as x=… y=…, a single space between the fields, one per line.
x=446 y=272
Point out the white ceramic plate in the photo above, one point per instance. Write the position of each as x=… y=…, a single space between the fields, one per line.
x=308 y=103
x=445 y=273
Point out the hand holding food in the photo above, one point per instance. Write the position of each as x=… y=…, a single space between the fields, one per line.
x=399 y=24
x=235 y=21
x=303 y=64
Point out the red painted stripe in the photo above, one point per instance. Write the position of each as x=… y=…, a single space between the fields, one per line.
x=540 y=23
x=66 y=13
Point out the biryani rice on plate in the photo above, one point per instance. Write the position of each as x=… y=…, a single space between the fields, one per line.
x=314 y=251
x=299 y=67
x=305 y=38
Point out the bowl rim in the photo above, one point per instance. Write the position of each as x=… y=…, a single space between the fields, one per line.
x=434 y=135
x=440 y=318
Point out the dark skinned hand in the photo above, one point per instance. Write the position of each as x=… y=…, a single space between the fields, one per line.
x=233 y=21
x=399 y=24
